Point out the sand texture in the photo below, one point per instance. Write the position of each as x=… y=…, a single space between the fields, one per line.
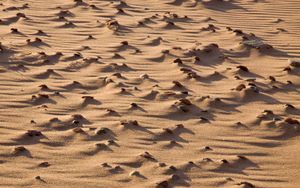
x=150 y=93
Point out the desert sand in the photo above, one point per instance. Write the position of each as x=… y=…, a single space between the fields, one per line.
x=150 y=93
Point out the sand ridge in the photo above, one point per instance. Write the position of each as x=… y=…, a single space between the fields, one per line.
x=154 y=93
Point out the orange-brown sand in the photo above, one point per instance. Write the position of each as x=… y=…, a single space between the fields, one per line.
x=150 y=93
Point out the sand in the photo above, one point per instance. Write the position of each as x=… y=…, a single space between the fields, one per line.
x=152 y=93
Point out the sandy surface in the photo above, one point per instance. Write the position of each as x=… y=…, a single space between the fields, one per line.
x=149 y=93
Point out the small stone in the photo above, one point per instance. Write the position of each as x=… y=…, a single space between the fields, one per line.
x=44 y=164
x=163 y=184
x=144 y=76
x=134 y=173
x=33 y=133
x=243 y=68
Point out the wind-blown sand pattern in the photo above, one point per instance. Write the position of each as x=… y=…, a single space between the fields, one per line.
x=152 y=93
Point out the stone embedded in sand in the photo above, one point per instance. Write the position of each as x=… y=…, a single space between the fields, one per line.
x=268 y=112
x=33 y=133
x=209 y=48
x=291 y=121
x=184 y=92
x=253 y=88
x=177 y=84
x=21 y=15
x=281 y=29
x=19 y=149
x=75 y=122
x=258 y=44
x=183 y=108
x=246 y=184
x=129 y=123
x=272 y=78
x=175 y=177
x=289 y=106
x=178 y=61
x=43 y=86
x=238 y=31
x=44 y=164
x=240 y=87
x=112 y=25
x=38 y=177
x=163 y=184
x=161 y=164
x=192 y=75
x=229 y=179
x=78 y=130
x=243 y=68
x=77 y=117
x=134 y=105
x=14 y=30
x=173 y=142
x=40 y=32
x=179 y=126
x=77 y=55
x=165 y=51
x=110 y=110
x=167 y=130
x=120 y=10
x=55 y=119
x=44 y=96
x=173 y=168
x=207 y=148
x=87 y=97
x=90 y=37
x=125 y=43
x=170 y=23
x=294 y=62
x=147 y=155
x=185 y=101
x=102 y=131
x=38 y=39
x=118 y=168
x=138 y=51
x=61 y=18
x=144 y=76
x=207 y=160
x=78 y=1
x=135 y=173
x=288 y=69
x=65 y=12
x=50 y=71
x=93 y=6
x=69 y=23
x=59 y=54
x=105 y=165
x=203 y=119
x=229 y=28
x=101 y=146
x=224 y=161
x=108 y=80
x=185 y=70
x=111 y=142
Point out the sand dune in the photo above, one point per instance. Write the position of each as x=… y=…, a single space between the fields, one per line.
x=154 y=93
